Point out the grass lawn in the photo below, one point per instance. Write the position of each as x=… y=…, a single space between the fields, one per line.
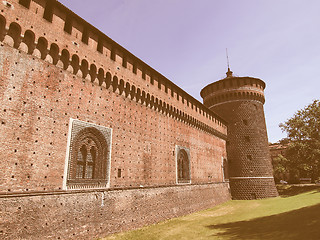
x=294 y=215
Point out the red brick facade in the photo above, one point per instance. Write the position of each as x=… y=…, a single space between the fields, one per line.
x=55 y=67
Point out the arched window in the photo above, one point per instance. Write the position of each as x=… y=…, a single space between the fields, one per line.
x=89 y=157
x=183 y=166
x=86 y=160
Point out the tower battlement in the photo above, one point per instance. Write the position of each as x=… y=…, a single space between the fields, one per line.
x=233 y=88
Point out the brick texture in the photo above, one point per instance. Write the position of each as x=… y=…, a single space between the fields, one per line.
x=55 y=67
x=240 y=102
x=89 y=215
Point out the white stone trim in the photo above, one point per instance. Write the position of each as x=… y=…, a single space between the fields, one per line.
x=250 y=177
x=66 y=162
x=67 y=159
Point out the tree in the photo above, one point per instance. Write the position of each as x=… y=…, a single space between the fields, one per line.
x=280 y=167
x=303 y=132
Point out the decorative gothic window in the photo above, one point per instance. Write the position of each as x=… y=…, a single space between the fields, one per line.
x=88 y=156
x=183 y=165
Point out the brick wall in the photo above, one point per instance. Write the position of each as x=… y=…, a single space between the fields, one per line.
x=48 y=77
x=38 y=99
x=89 y=215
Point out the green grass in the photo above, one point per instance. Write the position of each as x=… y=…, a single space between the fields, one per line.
x=294 y=215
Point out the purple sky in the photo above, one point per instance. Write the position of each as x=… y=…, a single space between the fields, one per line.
x=277 y=41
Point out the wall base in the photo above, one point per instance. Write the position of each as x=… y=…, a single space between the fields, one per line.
x=253 y=188
x=93 y=214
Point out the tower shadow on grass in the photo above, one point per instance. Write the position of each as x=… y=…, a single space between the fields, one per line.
x=294 y=225
x=288 y=191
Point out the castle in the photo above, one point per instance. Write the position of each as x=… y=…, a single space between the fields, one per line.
x=94 y=141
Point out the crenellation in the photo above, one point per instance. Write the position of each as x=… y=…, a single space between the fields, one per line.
x=114 y=55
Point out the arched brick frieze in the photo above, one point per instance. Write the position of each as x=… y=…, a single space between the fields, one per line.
x=184 y=115
x=100 y=76
x=138 y=95
x=170 y=110
x=192 y=121
x=13 y=37
x=164 y=106
x=2 y=27
x=133 y=92
x=156 y=104
x=114 y=83
x=54 y=53
x=51 y=53
x=152 y=101
x=127 y=89
x=148 y=99
x=188 y=119
x=93 y=72
x=143 y=97
x=167 y=108
x=75 y=63
x=42 y=47
x=108 y=80
x=28 y=41
x=121 y=86
x=84 y=68
x=101 y=43
x=174 y=113
x=160 y=106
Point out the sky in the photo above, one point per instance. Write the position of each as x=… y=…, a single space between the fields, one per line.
x=277 y=41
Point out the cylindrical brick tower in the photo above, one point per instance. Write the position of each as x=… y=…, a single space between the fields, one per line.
x=239 y=100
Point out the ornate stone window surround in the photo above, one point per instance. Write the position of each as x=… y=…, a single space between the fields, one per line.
x=88 y=156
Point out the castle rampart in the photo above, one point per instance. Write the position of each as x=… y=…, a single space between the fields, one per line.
x=81 y=55
x=95 y=141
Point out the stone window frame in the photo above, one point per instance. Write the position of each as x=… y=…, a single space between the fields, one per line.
x=223 y=166
x=187 y=151
x=103 y=136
